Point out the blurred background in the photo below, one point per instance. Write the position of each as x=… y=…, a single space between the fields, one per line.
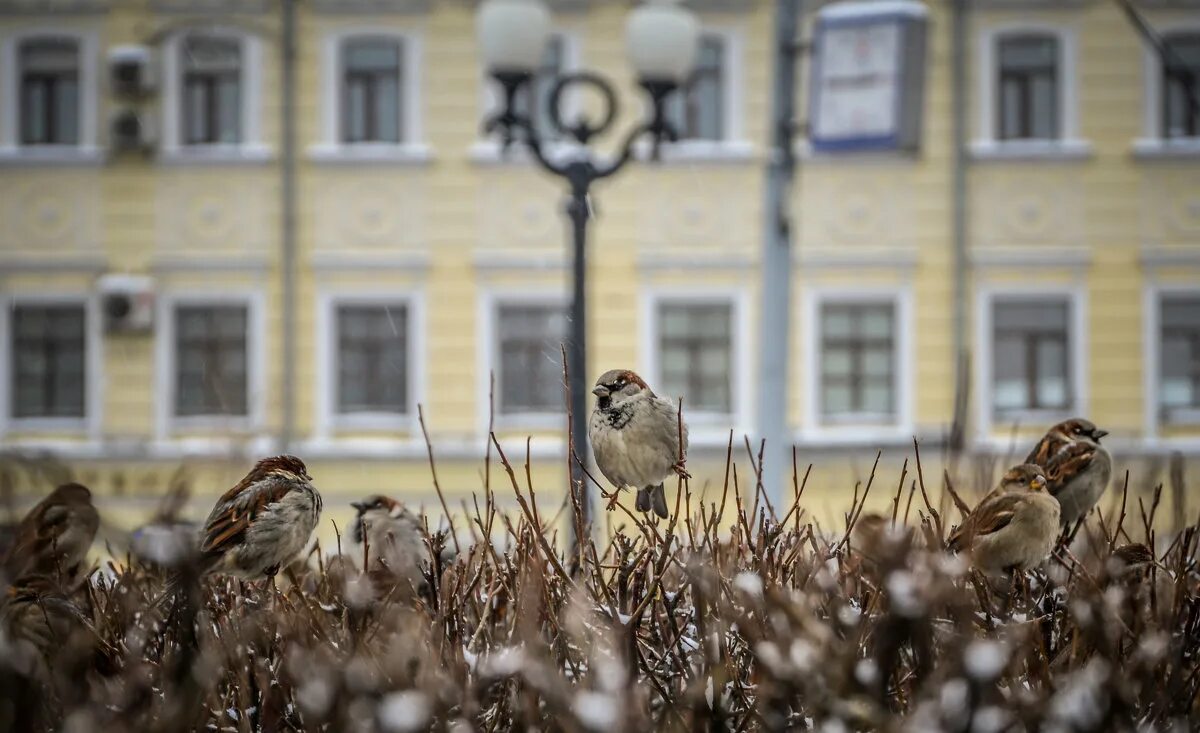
x=230 y=228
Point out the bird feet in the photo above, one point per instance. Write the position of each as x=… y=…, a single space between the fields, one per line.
x=680 y=470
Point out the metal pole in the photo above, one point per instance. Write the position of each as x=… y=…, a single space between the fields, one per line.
x=775 y=333
x=958 y=97
x=288 y=206
x=577 y=210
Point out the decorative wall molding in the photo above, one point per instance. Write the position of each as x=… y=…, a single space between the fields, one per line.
x=1065 y=257
x=84 y=264
x=370 y=261
x=54 y=7
x=849 y=258
x=672 y=261
x=257 y=264
x=351 y=7
x=1153 y=258
x=501 y=261
x=223 y=7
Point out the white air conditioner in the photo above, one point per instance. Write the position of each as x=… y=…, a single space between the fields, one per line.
x=131 y=71
x=127 y=302
x=130 y=130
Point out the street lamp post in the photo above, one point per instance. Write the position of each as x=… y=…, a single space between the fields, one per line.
x=662 y=41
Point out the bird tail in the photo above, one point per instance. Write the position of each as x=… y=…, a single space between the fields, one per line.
x=653 y=497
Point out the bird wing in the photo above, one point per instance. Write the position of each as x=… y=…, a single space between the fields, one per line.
x=992 y=515
x=1062 y=467
x=36 y=534
x=235 y=511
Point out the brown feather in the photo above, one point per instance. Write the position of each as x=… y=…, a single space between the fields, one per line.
x=228 y=527
x=1066 y=465
x=993 y=514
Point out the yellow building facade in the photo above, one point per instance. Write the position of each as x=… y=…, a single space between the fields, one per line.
x=424 y=264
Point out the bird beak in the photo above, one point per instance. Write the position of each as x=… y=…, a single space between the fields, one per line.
x=600 y=390
x=1098 y=434
x=1039 y=483
x=359 y=505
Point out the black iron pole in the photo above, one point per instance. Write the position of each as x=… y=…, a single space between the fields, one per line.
x=577 y=210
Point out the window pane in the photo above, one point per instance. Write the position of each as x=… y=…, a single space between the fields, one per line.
x=695 y=350
x=877 y=398
x=48 y=361
x=1051 y=374
x=211 y=360
x=1030 y=360
x=1027 y=89
x=212 y=90
x=836 y=399
x=857 y=354
x=49 y=92
x=697 y=112
x=530 y=363
x=371 y=76
x=1180 y=352
x=372 y=358
x=1183 y=57
x=551 y=67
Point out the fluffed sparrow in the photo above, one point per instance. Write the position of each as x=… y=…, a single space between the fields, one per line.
x=55 y=536
x=263 y=521
x=1014 y=528
x=635 y=437
x=393 y=537
x=1077 y=467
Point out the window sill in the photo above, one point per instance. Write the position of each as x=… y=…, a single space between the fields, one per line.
x=52 y=155
x=1181 y=417
x=700 y=151
x=371 y=422
x=381 y=153
x=57 y=426
x=1030 y=150
x=531 y=421
x=858 y=435
x=1166 y=149
x=249 y=153
x=491 y=152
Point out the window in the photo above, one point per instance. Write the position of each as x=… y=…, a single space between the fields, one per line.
x=547 y=74
x=212 y=90
x=857 y=361
x=1179 y=359
x=48 y=361
x=1030 y=358
x=1027 y=88
x=695 y=343
x=211 y=360
x=49 y=91
x=1181 y=86
x=529 y=365
x=371 y=69
x=698 y=109
x=372 y=358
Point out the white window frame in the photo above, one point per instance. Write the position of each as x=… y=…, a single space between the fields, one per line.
x=168 y=424
x=488 y=150
x=412 y=147
x=1069 y=145
x=735 y=147
x=1076 y=297
x=1152 y=298
x=706 y=428
x=1152 y=144
x=89 y=425
x=251 y=148
x=489 y=357
x=329 y=420
x=815 y=428
x=87 y=149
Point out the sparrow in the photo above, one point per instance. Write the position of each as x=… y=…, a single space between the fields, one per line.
x=37 y=612
x=635 y=437
x=263 y=521
x=1011 y=528
x=55 y=536
x=1077 y=467
x=393 y=536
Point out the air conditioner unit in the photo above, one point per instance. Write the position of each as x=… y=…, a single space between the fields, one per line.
x=131 y=71
x=130 y=130
x=127 y=302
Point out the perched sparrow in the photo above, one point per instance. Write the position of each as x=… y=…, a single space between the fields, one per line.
x=1077 y=466
x=38 y=613
x=55 y=536
x=393 y=537
x=635 y=437
x=1011 y=529
x=263 y=521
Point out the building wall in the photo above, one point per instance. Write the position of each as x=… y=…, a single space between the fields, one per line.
x=450 y=224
